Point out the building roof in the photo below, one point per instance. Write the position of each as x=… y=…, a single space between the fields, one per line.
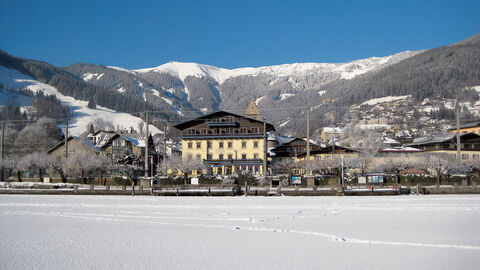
x=400 y=150
x=467 y=125
x=84 y=142
x=441 y=138
x=204 y=118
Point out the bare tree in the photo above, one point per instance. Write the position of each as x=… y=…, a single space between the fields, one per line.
x=186 y=166
x=35 y=162
x=85 y=163
x=286 y=165
x=59 y=164
x=39 y=136
x=101 y=124
x=366 y=142
x=141 y=125
x=439 y=163
x=131 y=167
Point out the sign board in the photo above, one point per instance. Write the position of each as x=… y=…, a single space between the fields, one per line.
x=362 y=180
x=296 y=180
x=375 y=179
x=194 y=181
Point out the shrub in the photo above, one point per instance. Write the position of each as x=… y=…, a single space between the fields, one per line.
x=206 y=179
x=243 y=177
x=121 y=181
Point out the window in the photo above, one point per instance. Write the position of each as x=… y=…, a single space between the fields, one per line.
x=209 y=144
x=199 y=145
x=244 y=144
x=199 y=157
x=230 y=156
x=209 y=156
x=475 y=156
x=191 y=131
x=204 y=131
x=255 y=144
x=220 y=145
x=243 y=130
x=230 y=144
x=220 y=156
x=254 y=129
x=464 y=156
x=244 y=156
x=190 y=145
x=255 y=156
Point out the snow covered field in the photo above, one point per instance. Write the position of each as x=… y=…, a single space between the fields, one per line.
x=120 y=232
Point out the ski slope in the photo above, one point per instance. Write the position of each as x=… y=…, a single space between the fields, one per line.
x=82 y=116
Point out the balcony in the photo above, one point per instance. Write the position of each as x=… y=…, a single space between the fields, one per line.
x=222 y=136
x=235 y=162
x=224 y=123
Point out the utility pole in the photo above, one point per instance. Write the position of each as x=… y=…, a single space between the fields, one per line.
x=66 y=141
x=165 y=145
x=308 y=135
x=146 y=148
x=1 y=149
x=264 y=147
x=459 y=145
x=343 y=178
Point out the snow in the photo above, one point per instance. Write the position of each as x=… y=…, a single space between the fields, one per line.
x=113 y=232
x=155 y=92
x=121 y=69
x=285 y=96
x=284 y=123
x=90 y=76
x=384 y=100
x=258 y=100
x=320 y=93
x=168 y=101
x=82 y=116
x=121 y=90
x=220 y=75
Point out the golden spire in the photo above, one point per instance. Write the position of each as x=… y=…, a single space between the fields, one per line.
x=252 y=110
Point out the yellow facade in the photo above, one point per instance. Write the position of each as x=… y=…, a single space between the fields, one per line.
x=237 y=150
x=468 y=130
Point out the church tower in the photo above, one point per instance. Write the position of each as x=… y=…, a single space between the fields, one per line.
x=252 y=110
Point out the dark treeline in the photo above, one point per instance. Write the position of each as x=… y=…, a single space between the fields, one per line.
x=444 y=72
x=70 y=85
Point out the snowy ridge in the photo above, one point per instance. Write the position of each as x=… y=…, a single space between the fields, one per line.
x=346 y=70
x=82 y=116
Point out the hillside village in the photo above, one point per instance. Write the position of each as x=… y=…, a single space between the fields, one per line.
x=222 y=146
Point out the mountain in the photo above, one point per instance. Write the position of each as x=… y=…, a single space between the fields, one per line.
x=15 y=87
x=193 y=89
x=179 y=91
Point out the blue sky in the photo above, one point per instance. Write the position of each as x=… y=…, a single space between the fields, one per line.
x=229 y=34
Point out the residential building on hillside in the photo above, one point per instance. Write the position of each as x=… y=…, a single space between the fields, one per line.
x=329 y=133
x=468 y=127
x=226 y=142
x=328 y=153
x=447 y=143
